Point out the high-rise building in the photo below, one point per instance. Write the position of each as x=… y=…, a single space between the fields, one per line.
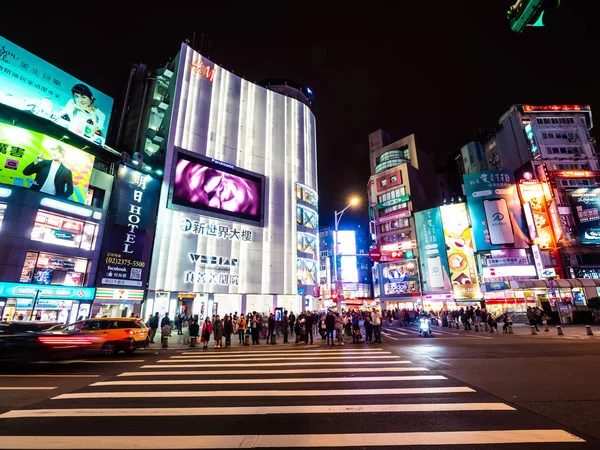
x=353 y=266
x=400 y=183
x=552 y=143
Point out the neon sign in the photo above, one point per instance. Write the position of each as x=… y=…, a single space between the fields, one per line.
x=575 y=174
x=199 y=68
x=545 y=108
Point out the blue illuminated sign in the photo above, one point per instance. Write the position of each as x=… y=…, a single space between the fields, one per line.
x=22 y=290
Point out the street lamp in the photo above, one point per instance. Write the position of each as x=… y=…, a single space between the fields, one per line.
x=338 y=278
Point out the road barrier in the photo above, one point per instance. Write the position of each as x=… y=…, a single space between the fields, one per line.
x=588 y=330
x=559 y=330
x=533 y=330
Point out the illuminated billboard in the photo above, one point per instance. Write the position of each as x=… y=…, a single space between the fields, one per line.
x=459 y=246
x=217 y=188
x=33 y=160
x=532 y=196
x=495 y=210
x=238 y=201
x=346 y=240
x=585 y=204
x=31 y=84
x=432 y=251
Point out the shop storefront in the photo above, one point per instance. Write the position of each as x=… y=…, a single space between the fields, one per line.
x=63 y=304
x=117 y=302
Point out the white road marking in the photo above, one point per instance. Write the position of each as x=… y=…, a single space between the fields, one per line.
x=244 y=353
x=266 y=354
x=92 y=361
x=254 y=410
x=263 y=372
x=27 y=388
x=48 y=376
x=389 y=336
x=272 y=380
x=312 y=363
x=185 y=442
x=278 y=358
x=268 y=393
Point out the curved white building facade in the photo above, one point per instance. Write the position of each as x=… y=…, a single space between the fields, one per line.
x=238 y=206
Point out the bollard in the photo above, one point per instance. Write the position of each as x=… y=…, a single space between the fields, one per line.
x=247 y=340
x=533 y=332
x=510 y=330
x=588 y=330
x=165 y=341
x=486 y=327
x=457 y=325
x=274 y=339
x=192 y=341
x=477 y=328
x=559 y=330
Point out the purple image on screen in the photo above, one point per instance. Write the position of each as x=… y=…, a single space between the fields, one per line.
x=202 y=186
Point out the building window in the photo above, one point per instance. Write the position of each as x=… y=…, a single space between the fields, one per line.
x=383 y=182
x=393 y=179
x=2 y=210
x=306 y=243
x=399 y=192
x=65 y=231
x=47 y=268
x=306 y=217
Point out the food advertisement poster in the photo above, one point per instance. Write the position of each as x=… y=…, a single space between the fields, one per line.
x=35 y=161
x=495 y=210
x=533 y=194
x=459 y=246
x=432 y=251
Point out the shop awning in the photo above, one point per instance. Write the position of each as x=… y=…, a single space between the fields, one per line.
x=567 y=283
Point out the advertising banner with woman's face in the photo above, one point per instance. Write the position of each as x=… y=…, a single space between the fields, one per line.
x=31 y=84
x=33 y=160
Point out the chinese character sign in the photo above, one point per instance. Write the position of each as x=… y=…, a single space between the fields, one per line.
x=41 y=163
x=585 y=205
x=459 y=245
x=432 y=251
x=31 y=84
x=495 y=210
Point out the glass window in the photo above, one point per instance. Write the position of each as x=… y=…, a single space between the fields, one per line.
x=65 y=231
x=2 y=210
x=393 y=179
x=383 y=182
x=47 y=268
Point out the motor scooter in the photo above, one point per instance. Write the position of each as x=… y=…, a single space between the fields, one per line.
x=424 y=327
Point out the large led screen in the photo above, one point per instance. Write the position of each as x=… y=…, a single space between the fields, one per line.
x=31 y=84
x=33 y=160
x=217 y=188
x=585 y=204
x=346 y=241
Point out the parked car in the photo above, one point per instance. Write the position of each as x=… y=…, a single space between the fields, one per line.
x=110 y=335
x=23 y=341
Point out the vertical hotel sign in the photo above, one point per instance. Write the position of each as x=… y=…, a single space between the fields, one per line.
x=459 y=245
x=432 y=251
x=127 y=244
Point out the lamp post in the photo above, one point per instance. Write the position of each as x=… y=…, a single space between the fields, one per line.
x=338 y=278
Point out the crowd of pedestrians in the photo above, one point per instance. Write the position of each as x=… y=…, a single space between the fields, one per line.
x=330 y=326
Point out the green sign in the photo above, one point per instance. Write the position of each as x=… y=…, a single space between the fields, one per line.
x=20 y=290
x=393 y=201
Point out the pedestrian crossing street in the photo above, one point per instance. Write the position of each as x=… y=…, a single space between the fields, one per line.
x=284 y=397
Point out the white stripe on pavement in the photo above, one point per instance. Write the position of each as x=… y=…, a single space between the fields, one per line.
x=91 y=361
x=48 y=376
x=279 y=358
x=272 y=380
x=389 y=336
x=269 y=393
x=312 y=363
x=265 y=354
x=27 y=388
x=263 y=372
x=353 y=350
x=253 y=410
x=186 y=442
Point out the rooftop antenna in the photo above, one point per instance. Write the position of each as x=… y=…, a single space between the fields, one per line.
x=208 y=49
x=202 y=43
x=194 y=41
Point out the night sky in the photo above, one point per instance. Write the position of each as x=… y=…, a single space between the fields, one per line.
x=438 y=69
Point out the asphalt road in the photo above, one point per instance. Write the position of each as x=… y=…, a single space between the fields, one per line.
x=457 y=390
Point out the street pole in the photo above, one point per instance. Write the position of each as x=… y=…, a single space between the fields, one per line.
x=35 y=300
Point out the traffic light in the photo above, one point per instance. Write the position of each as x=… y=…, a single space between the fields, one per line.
x=402 y=254
x=526 y=13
